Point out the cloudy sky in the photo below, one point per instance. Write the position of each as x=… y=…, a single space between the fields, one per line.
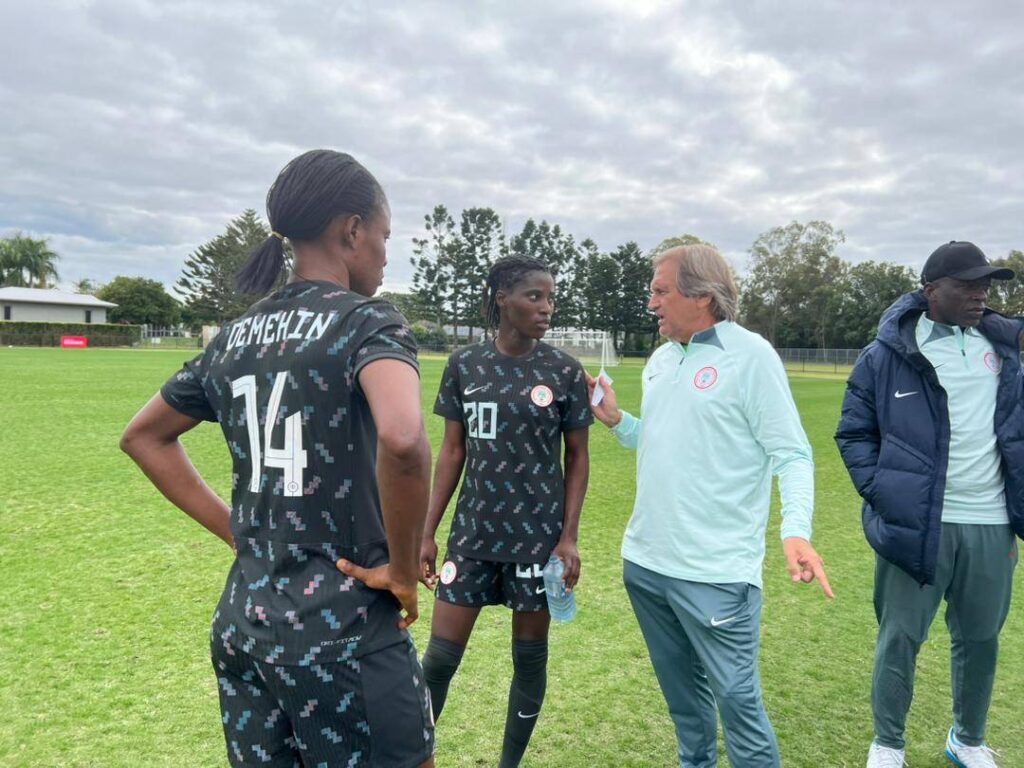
x=132 y=131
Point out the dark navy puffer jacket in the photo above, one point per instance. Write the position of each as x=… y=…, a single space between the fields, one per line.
x=896 y=450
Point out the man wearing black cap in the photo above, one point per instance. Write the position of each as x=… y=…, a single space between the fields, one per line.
x=932 y=433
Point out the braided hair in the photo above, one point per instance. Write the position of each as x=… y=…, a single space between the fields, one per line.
x=310 y=192
x=505 y=274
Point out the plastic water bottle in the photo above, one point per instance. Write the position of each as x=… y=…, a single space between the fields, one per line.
x=561 y=604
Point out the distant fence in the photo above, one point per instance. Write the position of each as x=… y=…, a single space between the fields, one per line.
x=100 y=335
x=818 y=360
x=447 y=348
x=803 y=360
x=169 y=338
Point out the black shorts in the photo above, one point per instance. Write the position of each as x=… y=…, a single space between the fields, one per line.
x=371 y=711
x=464 y=581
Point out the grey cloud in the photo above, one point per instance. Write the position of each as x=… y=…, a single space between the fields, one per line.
x=148 y=125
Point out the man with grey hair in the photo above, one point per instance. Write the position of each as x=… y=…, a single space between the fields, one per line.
x=717 y=420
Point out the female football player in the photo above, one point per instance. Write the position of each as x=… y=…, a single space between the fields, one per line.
x=508 y=403
x=317 y=394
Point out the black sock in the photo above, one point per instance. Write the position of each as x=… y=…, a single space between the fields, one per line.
x=440 y=661
x=525 y=697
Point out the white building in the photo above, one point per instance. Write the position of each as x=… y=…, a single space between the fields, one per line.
x=43 y=305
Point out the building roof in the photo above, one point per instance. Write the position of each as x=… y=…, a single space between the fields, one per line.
x=50 y=296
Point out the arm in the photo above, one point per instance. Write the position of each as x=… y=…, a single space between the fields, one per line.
x=392 y=389
x=623 y=424
x=151 y=439
x=858 y=435
x=775 y=423
x=577 y=473
x=450 y=461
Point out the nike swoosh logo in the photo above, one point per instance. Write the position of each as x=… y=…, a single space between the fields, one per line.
x=539 y=591
x=719 y=622
x=526 y=717
x=899 y=394
x=471 y=390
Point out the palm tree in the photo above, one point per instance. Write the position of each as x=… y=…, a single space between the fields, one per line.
x=7 y=266
x=26 y=261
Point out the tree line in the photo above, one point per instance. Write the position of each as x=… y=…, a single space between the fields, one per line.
x=797 y=292
x=601 y=290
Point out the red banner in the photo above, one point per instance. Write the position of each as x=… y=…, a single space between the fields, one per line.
x=74 y=341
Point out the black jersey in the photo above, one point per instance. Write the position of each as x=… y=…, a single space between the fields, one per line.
x=282 y=382
x=514 y=411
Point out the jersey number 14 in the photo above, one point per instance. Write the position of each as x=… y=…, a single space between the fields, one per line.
x=291 y=458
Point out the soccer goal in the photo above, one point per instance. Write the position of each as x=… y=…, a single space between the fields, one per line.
x=587 y=346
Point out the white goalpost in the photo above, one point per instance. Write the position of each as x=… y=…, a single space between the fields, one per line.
x=586 y=345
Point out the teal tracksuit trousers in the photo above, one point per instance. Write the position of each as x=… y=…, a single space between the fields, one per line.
x=703 y=640
x=974 y=576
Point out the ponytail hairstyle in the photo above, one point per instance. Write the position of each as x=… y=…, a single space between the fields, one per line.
x=505 y=274
x=309 y=193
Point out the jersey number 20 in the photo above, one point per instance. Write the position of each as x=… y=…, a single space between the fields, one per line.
x=481 y=419
x=291 y=457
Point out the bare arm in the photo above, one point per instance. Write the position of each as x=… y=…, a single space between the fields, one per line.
x=450 y=462
x=392 y=389
x=151 y=439
x=577 y=474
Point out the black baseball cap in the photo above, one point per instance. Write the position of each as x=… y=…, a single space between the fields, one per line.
x=963 y=261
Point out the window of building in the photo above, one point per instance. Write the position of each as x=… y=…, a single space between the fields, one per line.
x=88 y=315
x=7 y=311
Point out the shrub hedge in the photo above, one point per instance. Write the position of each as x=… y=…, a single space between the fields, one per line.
x=15 y=333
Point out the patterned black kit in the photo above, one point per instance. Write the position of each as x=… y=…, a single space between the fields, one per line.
x=294 y=640
x=510 y=510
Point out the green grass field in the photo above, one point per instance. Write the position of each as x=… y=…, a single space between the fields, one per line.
x=109 y=591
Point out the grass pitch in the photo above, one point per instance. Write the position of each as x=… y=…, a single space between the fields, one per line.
x=108 y=593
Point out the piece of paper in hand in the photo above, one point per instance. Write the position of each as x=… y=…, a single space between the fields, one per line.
x=598 y=395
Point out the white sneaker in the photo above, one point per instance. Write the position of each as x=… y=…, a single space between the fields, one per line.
x=885 y=757
x=963 y=756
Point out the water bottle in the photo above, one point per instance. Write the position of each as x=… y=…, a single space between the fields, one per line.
x=561 y=604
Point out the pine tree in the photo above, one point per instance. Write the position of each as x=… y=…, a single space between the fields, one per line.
x=432 y=262
x=208 y=282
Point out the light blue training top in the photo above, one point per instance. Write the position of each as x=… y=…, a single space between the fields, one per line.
x=717 y=419
x=968 y=369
